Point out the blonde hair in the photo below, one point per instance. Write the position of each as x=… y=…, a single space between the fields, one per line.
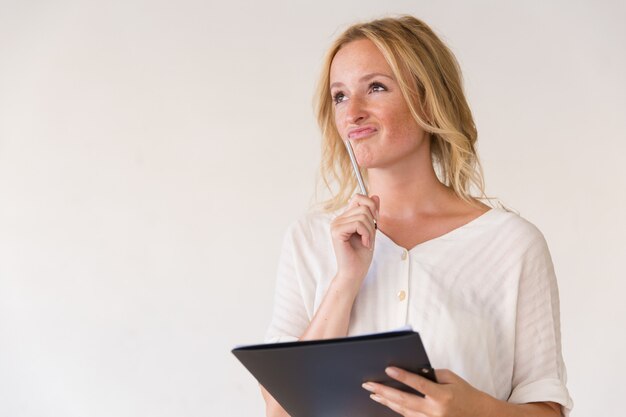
x=429 y=78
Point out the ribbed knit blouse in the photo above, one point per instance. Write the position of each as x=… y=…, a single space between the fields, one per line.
x=483 y=297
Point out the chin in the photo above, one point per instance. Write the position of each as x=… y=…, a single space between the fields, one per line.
x=364 y=158
x=367 y=164
x=368 y=160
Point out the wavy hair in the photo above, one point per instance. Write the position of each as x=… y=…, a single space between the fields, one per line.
x=430 y=80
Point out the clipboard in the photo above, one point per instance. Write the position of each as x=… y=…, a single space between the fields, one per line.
x=322 y=378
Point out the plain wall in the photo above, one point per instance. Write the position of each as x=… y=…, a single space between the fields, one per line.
x=152 y=154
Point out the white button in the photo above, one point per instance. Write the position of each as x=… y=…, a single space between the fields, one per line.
x=401 y=295
x=404 y=255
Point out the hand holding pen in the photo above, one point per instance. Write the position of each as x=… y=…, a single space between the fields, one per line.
x=353 y=232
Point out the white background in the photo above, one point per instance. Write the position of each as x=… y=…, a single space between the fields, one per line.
x=152 y=154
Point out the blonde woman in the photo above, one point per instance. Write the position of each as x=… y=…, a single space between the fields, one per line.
x=476 y=282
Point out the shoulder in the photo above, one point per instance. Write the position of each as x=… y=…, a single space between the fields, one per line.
x=513 y=221
x=310 y=227
x=311 y=222
x=308 y=242
x=507 y=244
x=515 y=231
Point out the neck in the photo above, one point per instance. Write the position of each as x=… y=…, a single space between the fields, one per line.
x=409 y=189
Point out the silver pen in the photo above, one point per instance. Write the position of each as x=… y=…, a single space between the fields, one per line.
x=357 y=173
x=355 y=166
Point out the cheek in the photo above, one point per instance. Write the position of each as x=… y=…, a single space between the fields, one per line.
x=338 y=125
x=402 y=128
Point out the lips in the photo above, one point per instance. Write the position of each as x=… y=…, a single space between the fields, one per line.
x=361 y=132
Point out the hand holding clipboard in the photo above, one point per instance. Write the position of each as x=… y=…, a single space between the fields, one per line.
x=322 y=378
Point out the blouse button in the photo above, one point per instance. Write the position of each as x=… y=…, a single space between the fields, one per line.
x=401 y=295
x=404 y=254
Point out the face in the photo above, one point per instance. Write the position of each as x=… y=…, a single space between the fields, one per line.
x=370 y=110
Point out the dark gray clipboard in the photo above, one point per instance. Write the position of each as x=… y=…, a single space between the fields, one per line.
x=322 y=378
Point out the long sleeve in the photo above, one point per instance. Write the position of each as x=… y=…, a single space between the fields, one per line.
x=290 y=318
x=539 y=373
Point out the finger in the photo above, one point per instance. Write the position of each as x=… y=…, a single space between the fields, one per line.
x=351 y=204
x=446 y=376
x=363 y=200
x=390 y=404
x=417 y=382
x=360 y=210
x=346 y=233
x=399 y=401
x=363 y=218
x=376 y=201
x=360 y=224
x=355 y=213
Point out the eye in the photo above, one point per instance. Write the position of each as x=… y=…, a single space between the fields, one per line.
x=338 y=97
x=376 y=87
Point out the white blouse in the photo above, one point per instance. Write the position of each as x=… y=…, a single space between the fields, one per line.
x=483 y=297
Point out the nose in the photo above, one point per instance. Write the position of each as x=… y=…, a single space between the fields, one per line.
x=355 y=112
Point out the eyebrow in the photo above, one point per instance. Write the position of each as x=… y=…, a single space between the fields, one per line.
x=366 y=77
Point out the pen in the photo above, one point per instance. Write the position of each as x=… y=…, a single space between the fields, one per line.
x=355 y=166
x=357 y=173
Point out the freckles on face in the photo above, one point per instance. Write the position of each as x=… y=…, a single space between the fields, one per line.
x=369 y=107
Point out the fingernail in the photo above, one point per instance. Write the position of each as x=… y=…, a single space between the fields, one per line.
x=368 y=386
x=375 y=397
x=392 y=372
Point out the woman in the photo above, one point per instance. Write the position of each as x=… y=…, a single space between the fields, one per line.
x=476 y=282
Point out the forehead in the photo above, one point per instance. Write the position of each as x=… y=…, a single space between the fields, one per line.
x=357 y=58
